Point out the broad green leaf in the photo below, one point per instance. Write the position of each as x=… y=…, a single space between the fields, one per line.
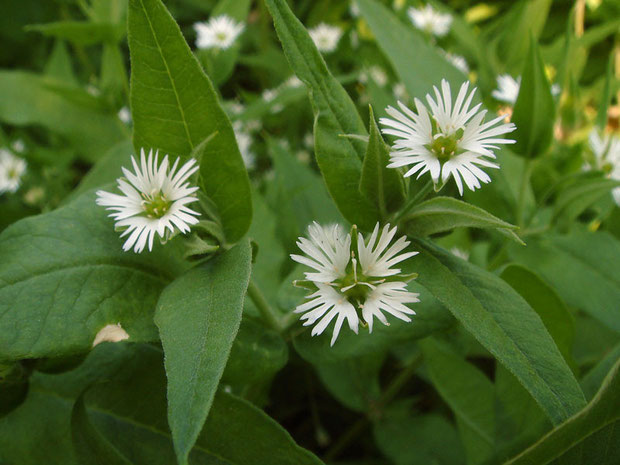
x=445 y=213
x=503 y=322
x=77 y=280
x=198 y=316
x=30 y=99
x=408 y=437
x=601 y=116
x=59 y=64
x=419 y=66
x=470 y=395
x=381 y=185
x=601 y=411
x=545 y=301
x=534 y=110
x=90 y=446
x=583 y=267
x=339 y=158
x=579 y=195
x=174 y=108
x=80 y=32
x=592 y=381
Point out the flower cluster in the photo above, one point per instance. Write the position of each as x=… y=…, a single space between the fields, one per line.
x=606 y=150
x=219 y=32
x=154 y=201
x=430 y=20
x=12 y=169
x=326 y=37
x=451 y=141
x=352 y=274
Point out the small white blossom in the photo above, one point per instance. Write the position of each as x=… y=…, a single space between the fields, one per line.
x=124 y=115
x=269 y=94
x=507 y=88
x=236 y=108
x=606 y=150
x=111 y=333
x=154 y=201
x=459 y=62
x=377 y=74
x=326 y=37
x=453 y=143
x=430 y=20
x=458 y=252
x=400 y=91
x=350 y=279
x=219 y=32
x=293 y=82
x=354 y=9
x=244 y=142
x=18 y=146
x=12 y=169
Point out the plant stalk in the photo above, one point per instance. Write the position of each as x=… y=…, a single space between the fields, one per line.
x=268 y=313
x=417 y=198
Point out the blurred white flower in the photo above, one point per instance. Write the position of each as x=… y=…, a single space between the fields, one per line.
x=269 y=94
x=458 y=252
x=110 y=333
x=606 y=150
x=354 y=9
x=12 y=169
x=18 y=146
x=124 y=115
x=400 y=91
x=235 y=108
x=376 y=73
x=353 y=275
x=430 y=20
x=219 y=32
x=459 y=62
x=453 y=143
x=507 y=88
x=154 y=202
x=293 y=82
x=325 y=37
x=244 y=142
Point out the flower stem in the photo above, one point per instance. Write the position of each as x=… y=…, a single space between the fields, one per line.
x=417 y=198
x=525 y=180
x=269 y=314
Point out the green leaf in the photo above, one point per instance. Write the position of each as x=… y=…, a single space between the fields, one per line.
x=583 y=267
x=90 y=446
x=505 y=325
x=419 y=65
x=470 y=395
x=80 y=32
x=442 y=214
x=580 y=194
x=592 y=381
x=534 y=110
x=545 y=301
x=174 y=108
x=64 y=276
x=601 y=411
x=339 y=158
x=381 y=185
x=601 y=116
x=59 y=64
x=198 y=316
x=30 y=99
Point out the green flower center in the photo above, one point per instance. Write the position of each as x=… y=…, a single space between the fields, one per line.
x=155 y=206
x=446 y=146
x=221 y=36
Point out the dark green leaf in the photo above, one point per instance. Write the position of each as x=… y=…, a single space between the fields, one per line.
x=534 y=110
x=381 y=185
x=579 y=195
x=198 y=316
x=505 y=325
x=339 y=158
x=601 y=116
x=175 y=108
x=80 y=32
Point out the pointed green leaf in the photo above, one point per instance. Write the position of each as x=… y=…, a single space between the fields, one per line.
x=505 y=325
x=174 y=108
x=580 y=194
x=534 y=111
x=381 y=185
x=339 y=158
x=601 y=116
x=198 y=316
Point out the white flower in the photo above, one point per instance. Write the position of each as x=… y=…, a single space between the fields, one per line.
x=507 y=88
x=377 y=74
x=269 y=94
x=236 y=108
x=459 y=62
x=400 y=91
x=350 y=278
x=18 y=146
x=154 y=202
x=458 y=252
x=12 y=169
x=219 y=32
x=453 y=143
x=430 y=20
x=111 y=333
x=354 y=9
x=606 y=151
x=244 y=141
x=124 y=115
x=293 y=82
x=325 y=37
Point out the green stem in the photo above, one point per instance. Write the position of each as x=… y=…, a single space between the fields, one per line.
x=269 y=314
x=419 y=196
x=374 y=412
x=525 y=180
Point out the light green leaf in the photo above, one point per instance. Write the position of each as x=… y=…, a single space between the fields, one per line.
x=580 y=194
x=505 y=325
x=419 y=66
x=381 y=185
x=545 y=301
x=30 y=99
x=601 y=116
x=534 y=110
x=339 y=158
x=584 y=268
x=174 y=108
x=445 y=213
x=90 y=446
x=80 y=32
x=470 y=395
x=77 y=280
x=198 y=316
x=601 y=411
x=59 y=64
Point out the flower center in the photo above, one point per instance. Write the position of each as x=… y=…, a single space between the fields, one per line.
x=446 y=146
x=221 y=36
x=156 y=205
x=12 y=173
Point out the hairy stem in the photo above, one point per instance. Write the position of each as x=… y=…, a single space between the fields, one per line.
x=269 y=314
